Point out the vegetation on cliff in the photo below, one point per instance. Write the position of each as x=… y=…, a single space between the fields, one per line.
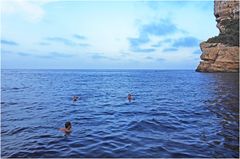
x=230 y=36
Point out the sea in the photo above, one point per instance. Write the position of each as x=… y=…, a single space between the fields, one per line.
x=174 y=113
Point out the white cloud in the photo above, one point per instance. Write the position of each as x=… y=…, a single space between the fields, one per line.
x=28 y=9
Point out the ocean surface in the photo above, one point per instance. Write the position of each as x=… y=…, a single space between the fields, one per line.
x=174 y=113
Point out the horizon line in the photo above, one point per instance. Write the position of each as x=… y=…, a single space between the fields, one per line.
x=91 y=69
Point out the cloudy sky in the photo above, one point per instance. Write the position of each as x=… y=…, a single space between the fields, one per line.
x=96 y=34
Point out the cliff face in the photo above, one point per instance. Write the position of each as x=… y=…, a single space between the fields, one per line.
x=221 y=53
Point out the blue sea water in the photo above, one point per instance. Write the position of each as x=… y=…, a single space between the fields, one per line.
x=174 y=113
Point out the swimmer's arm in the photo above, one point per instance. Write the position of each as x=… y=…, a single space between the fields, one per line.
x=65 y=130
x=62 y=129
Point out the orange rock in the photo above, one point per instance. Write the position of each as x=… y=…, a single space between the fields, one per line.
x=221 y=53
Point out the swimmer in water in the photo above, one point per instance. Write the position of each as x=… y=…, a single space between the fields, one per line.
x=75 y=98
x=68 y=127
x=130 y=97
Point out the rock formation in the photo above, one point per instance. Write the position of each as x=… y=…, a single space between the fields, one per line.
x=221 y=53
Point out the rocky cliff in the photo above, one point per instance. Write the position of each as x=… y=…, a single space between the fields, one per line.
x=221 y=53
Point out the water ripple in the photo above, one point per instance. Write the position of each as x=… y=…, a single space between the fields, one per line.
x=175 y=114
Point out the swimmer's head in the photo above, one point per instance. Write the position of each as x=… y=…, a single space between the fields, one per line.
x=68 y=125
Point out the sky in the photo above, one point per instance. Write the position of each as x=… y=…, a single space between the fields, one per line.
x=54 y=34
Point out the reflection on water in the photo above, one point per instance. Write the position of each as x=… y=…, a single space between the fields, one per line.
x=225 y=104
x=174 y=114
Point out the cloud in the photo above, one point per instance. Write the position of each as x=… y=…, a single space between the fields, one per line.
x=160 y=43
x=64 y=41
x=124 y=54
x=23 y=54
x=167 y=40
x=176 y=4
x=44 y=43
x=181 y=42
x=161 y=28
x=170 y=49
x=156 y=5
x=28 y=9
x=61 y=40
x=157 y=45
x=99 y=56
x=83 y=44
x=153 y=5
x=135 y=42
x=80 y=37
x=60 y=54
x=143 y=50
x=8 y=42
x=55 y=55
x=198 y=51
x=160 y=60
x=149 y=58
x=186 y=42
x=49 y=55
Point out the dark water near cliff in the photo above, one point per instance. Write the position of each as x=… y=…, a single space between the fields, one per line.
x=174 y=114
